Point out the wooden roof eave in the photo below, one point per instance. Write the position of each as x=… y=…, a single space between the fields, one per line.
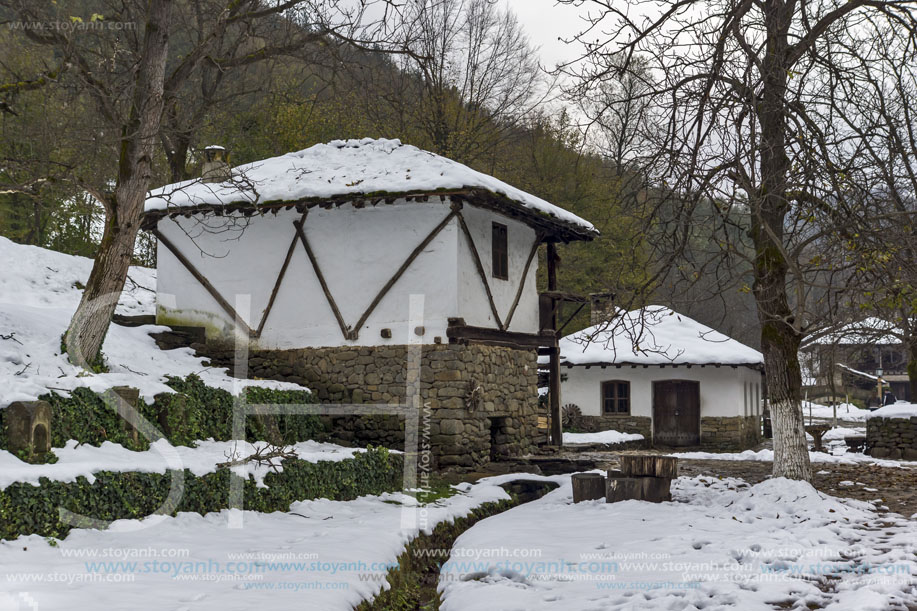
x=552 y=229
x=756 y=366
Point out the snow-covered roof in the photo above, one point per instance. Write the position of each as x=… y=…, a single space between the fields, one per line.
x=870 y=330
x=351 y=168
x=655 y=335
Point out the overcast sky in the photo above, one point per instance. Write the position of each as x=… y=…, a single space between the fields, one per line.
x=545 y=21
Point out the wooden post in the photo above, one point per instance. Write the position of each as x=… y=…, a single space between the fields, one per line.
x=557 y=432
x=588 y=487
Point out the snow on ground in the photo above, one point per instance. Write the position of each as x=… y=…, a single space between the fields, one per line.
x=901 y=409
x=38 y=296
x=767 y=455
x=346 y=167
x=322 y=555
x=721 y=544
x=76 y=460
x=845 y=411
x=609 y=437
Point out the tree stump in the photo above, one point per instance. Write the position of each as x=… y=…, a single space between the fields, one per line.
x=649 y=465
x=588 y=487
x=621 y=488
x=28 y=427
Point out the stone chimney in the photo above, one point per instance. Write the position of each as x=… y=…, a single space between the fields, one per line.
x=602 y=305
x=215 y=167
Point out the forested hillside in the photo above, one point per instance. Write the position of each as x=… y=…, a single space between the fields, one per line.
x=279 y=91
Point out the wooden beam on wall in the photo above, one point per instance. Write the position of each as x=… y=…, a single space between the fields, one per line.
x=480 y=267
x=525 y=273
x=202 y=280
x=557 y=432
x=321 y=279
x=283 y=271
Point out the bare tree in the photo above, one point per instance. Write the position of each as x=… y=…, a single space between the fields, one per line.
x=468 y=77
x=742 y=88
x=877 y=110
x=130 y=79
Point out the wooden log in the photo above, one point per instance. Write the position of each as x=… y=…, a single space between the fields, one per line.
x=649 y=465
x=588 y=487
x=656 y=489
x=623 y=488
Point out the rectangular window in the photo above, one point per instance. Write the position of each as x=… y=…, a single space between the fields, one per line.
x=616 y=397
x=500 y=250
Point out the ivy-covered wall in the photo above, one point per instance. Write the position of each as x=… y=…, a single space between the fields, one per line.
x=29 y=509
x=196 y=411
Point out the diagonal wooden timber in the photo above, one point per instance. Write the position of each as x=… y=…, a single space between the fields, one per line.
x=283 y=271
x=203 y=281
x=480 y=267
x=321 y=279
x=525 y=273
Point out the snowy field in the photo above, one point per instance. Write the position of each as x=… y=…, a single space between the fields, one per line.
x=38 y=296
x=720 y=544
x=767 y=455
x=845 y=411
x=320 y=556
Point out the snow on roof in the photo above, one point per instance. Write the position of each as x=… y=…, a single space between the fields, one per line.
x=342 y=168
x=655 y=335
x=870 y=330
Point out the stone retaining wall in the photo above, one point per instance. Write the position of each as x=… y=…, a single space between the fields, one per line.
x=730 y=433
x=892 y=437
x=482 y=400
x=623 y=423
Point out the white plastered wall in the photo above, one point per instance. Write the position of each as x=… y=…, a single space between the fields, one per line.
x=474 y=307
x=358 y=251
x=724 y=391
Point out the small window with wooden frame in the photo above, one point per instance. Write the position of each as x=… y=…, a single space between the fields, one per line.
x=500 y=250
x=616 y=397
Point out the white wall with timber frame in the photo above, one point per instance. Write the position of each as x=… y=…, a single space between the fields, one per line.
x=725 y=391
x=357 y=254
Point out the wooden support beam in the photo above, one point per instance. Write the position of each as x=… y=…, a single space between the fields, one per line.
x=480 y=267
x=355 y=332
x=321 y=279
x=283 y=271
x=487 y=335
x=525 y=273
x=236 y=319
x=557 y=432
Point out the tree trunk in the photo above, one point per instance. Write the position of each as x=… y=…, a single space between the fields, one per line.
x=780 y=337
x=912 y=369
x=123 y=208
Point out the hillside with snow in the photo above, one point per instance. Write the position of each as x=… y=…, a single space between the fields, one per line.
x=39 y=292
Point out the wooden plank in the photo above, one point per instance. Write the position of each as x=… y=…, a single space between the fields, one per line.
x=525 y=273
x=283 y=271
x=557 y=432
x=203 y=281
x=480 y=267
x=321 y=280
x=404 y=266
x=486 y=335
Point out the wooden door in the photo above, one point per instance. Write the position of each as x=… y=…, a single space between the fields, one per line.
x=676 y=413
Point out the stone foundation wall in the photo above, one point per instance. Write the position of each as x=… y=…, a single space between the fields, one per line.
x=623 y=423
x=730 y=433
x=482 y=400
x=892 y=438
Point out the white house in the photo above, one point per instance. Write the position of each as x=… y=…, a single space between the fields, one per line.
x=659 y=373
x=333 y=259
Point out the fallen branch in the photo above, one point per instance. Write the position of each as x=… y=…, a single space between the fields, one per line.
x=264 y=456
